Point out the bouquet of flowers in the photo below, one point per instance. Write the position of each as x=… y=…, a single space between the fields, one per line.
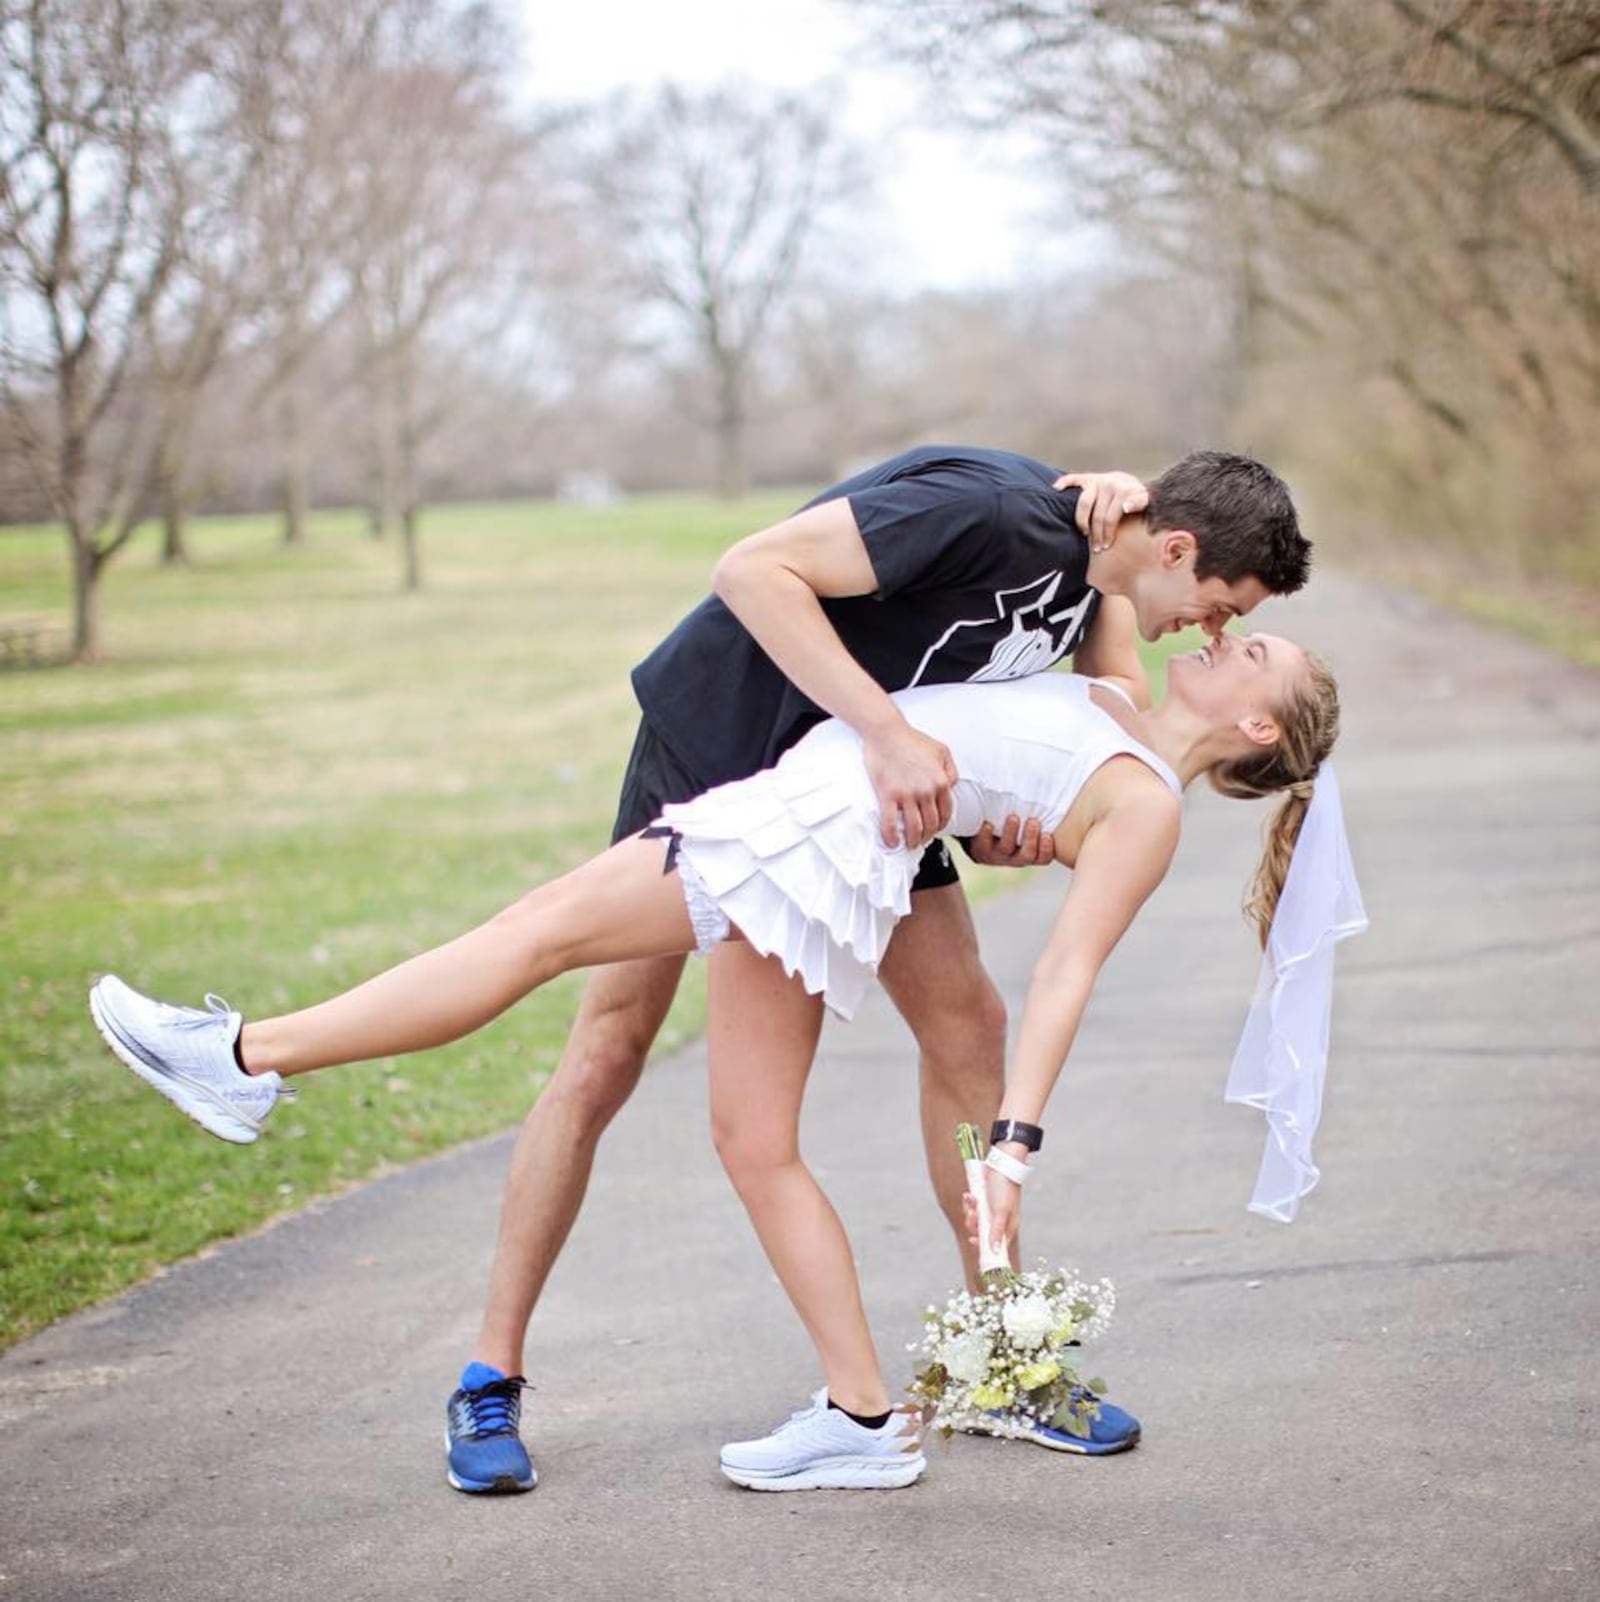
x=995 y=1360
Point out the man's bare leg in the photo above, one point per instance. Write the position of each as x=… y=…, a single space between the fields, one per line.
x=618 y=1020
x=618 y=901
x=933 y=975
x=932 y=972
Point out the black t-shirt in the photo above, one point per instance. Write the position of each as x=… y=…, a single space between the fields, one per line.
x=981 y=575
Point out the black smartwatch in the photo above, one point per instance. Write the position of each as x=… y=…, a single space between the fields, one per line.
x=1004 y=1129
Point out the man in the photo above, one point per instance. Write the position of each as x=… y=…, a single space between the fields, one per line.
x=942 y=564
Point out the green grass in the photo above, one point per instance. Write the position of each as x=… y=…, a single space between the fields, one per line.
x=285 y=775
x=1561 y=617
x=1568 y=625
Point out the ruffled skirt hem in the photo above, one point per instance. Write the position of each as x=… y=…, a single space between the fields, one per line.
x=795 y=860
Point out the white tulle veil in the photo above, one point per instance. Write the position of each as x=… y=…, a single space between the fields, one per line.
x=1282 y=1058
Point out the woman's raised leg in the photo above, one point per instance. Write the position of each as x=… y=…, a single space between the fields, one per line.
x=761 y=1036
x=617 y=906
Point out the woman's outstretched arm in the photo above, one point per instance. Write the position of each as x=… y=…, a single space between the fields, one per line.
x=1120 y=862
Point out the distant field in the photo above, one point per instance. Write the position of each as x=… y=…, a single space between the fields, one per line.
x=286 y=775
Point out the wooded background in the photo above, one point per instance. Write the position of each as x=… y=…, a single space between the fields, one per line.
x=315 y=252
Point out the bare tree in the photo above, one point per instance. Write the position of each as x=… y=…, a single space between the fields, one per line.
x=444 y=209
x=91 y=222
x=1398 y=196
x=313 y=59
x=718 y=198
x=217 y=287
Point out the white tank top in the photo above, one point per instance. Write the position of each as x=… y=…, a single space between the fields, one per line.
x=1021 y=746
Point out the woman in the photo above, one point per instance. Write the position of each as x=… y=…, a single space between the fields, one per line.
x=791 y=860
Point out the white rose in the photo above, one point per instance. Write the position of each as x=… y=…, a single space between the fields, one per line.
x=965 y=1357
x=1028 y=1321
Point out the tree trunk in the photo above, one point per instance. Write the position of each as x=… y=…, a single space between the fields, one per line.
x=172 y=490
x=407 y=476
x=731 y=481
x=174 y=527
x=174 y=507
x=85 y=569
x=1238 y=363
x=412 y=548
x=85 y=596
x=293 y=486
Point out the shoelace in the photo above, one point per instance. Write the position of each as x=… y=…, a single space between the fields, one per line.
x=799 y=1417
x=495 y=1409
x=216 y=1007
x=192 y=1017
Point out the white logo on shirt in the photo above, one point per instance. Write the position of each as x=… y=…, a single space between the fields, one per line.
x=1036 y=639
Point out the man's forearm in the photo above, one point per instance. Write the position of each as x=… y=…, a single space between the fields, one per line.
x=784 y=615
x=773 y=583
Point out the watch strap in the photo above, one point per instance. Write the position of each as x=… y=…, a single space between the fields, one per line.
x=1006 y=1129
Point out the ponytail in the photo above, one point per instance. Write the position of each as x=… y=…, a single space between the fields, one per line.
x=1277 y=849
x=1308 y=725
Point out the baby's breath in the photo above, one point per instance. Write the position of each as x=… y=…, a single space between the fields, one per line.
x=997 y=1359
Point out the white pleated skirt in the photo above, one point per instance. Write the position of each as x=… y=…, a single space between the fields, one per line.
x=793 y=858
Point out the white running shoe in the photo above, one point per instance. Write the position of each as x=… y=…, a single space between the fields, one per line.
x=187 y=1055
x=821 y=1449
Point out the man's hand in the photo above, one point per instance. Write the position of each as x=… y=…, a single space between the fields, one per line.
x=1104 y=499
x=1018 y=845
x=912 y=774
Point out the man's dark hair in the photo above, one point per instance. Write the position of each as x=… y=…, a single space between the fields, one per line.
x=1241 y=516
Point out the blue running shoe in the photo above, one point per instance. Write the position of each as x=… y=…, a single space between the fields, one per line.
x=1115 y=1430
x=486 y=1454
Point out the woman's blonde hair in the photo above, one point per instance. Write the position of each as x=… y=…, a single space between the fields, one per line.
x=1308 y=724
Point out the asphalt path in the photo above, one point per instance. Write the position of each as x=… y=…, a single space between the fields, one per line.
x=1393 y=1398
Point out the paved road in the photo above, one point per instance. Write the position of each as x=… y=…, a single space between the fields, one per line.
x=1392 y=1399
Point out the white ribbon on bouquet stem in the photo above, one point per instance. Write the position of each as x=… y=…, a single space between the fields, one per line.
x=989 y=1257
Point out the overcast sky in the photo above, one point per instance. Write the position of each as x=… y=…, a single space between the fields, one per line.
x=961 y=209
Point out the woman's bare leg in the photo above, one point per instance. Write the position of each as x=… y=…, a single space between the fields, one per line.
x=761 y=1037
x=617 y=906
